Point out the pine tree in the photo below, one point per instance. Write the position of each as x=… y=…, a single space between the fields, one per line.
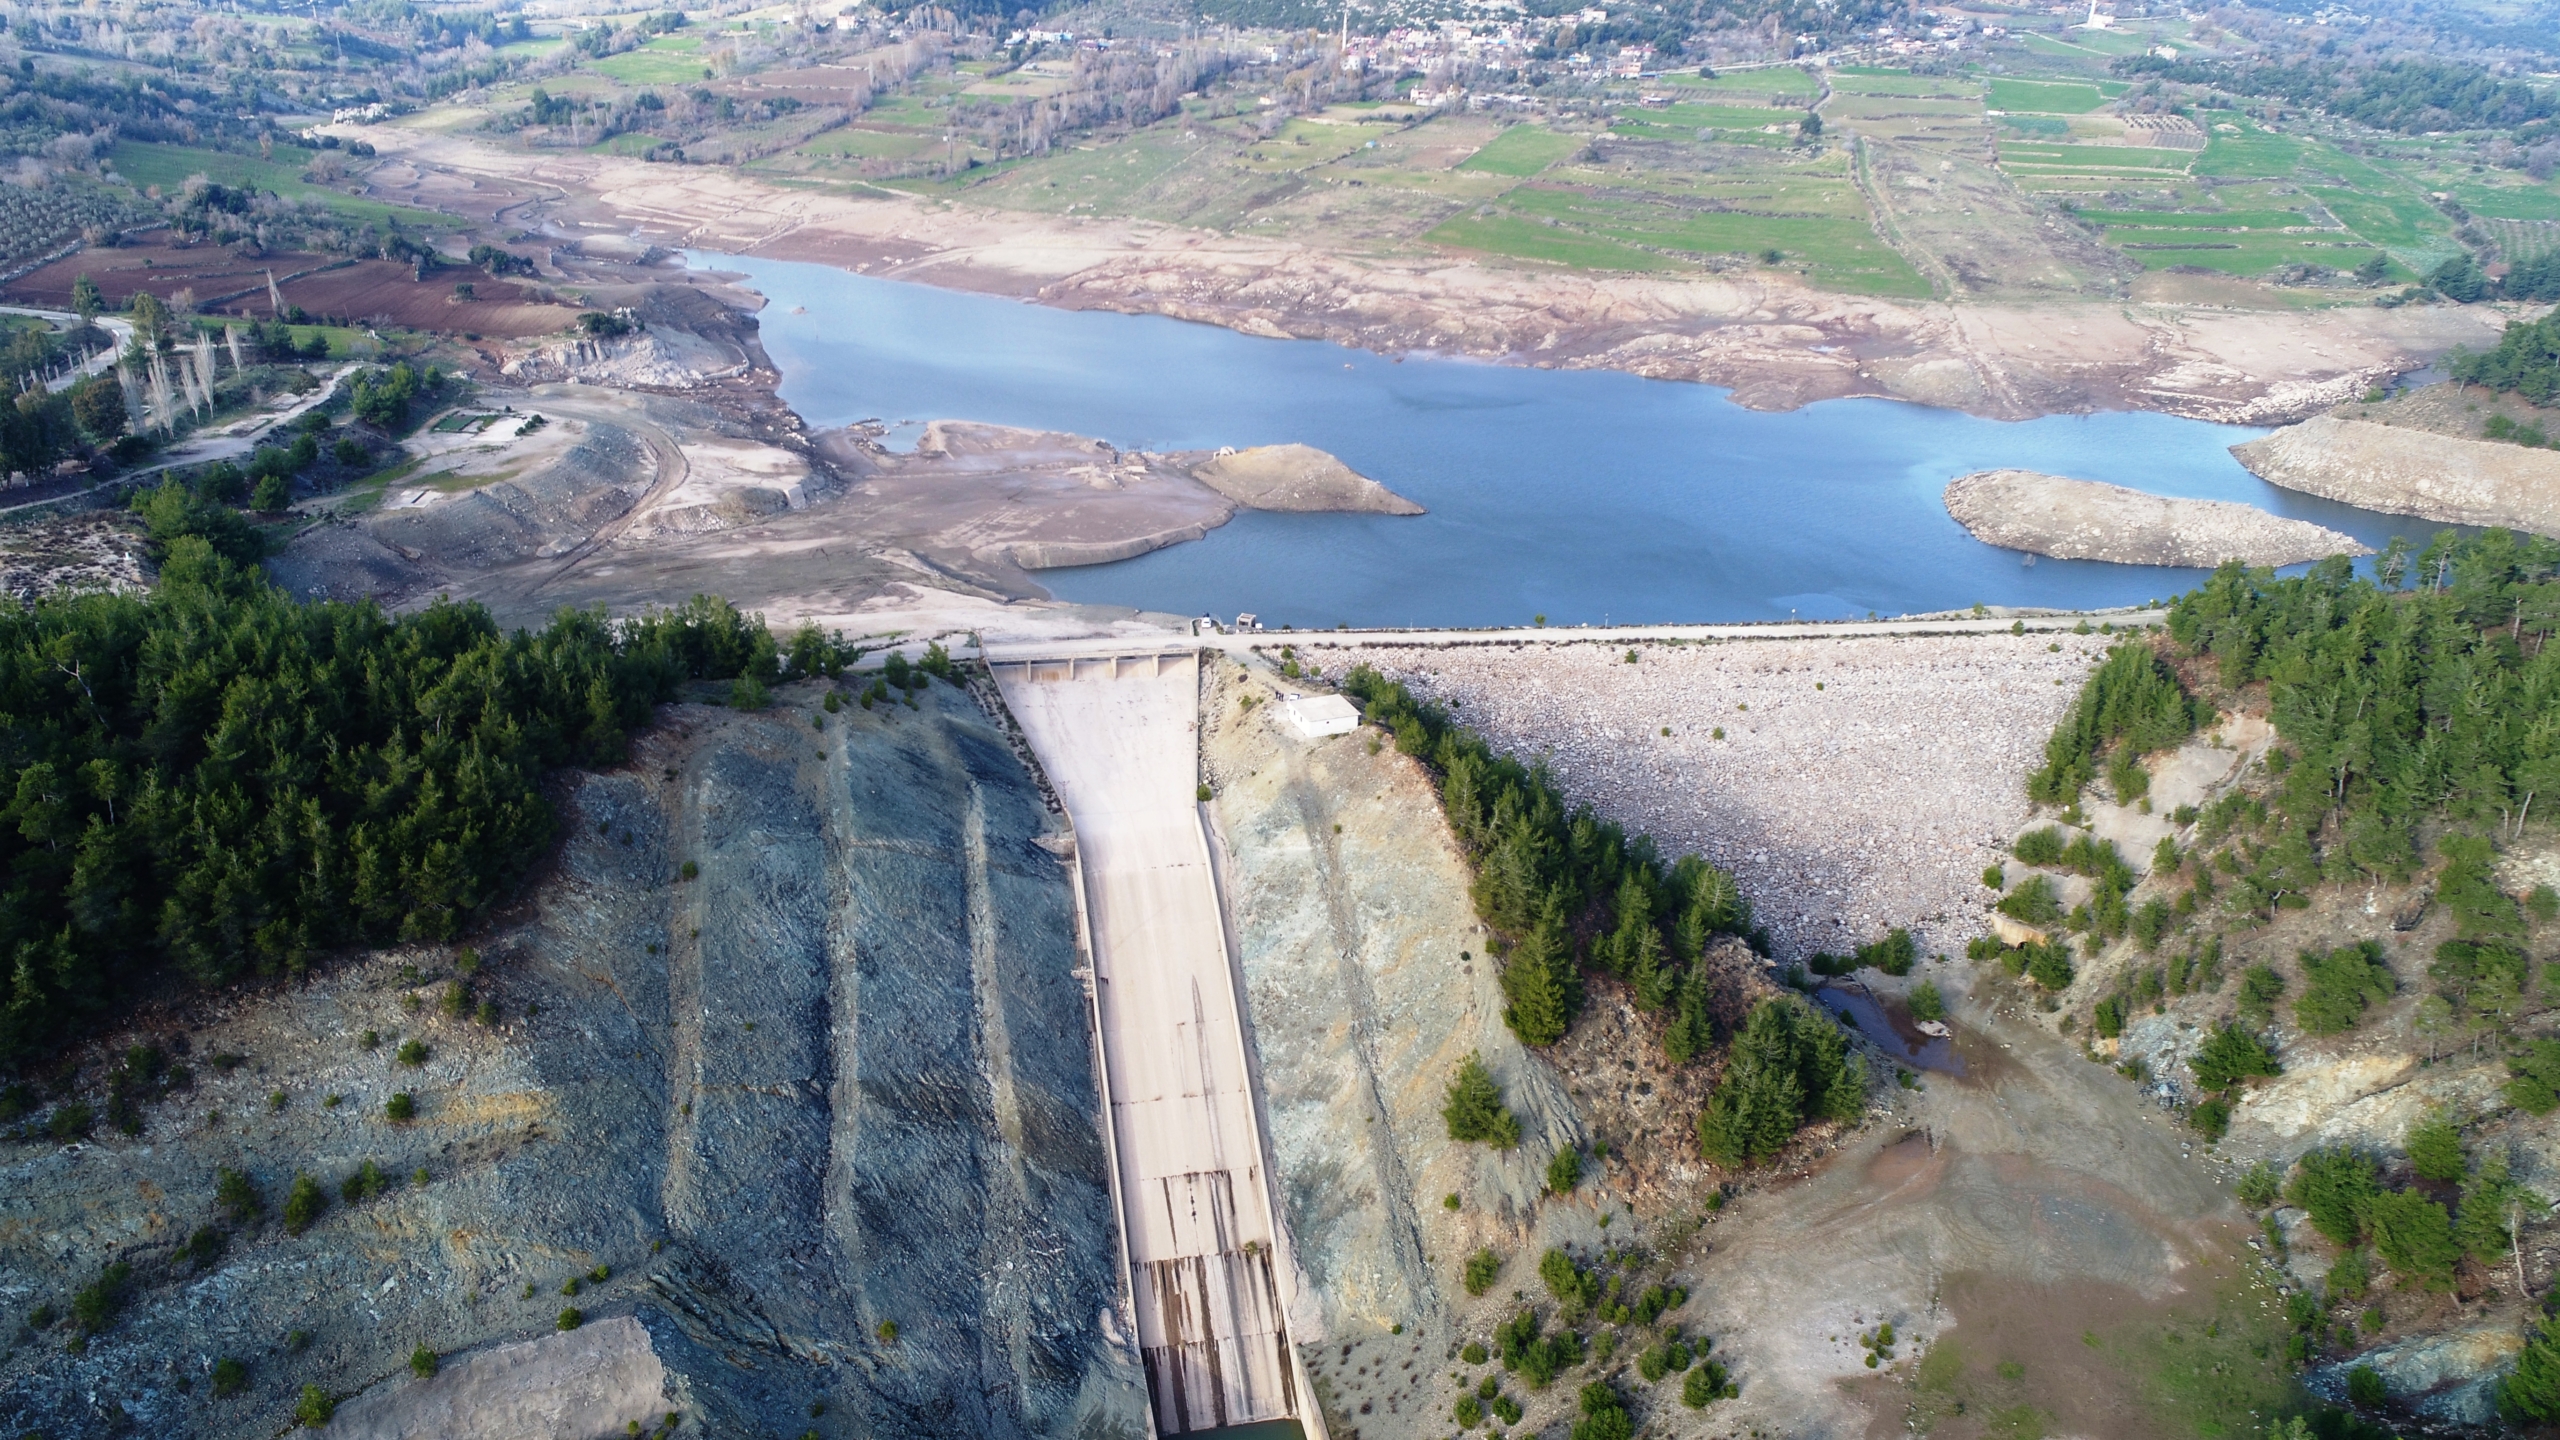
x=1475 y=1111
x=2533 y=1389
x=1539 y=981
x=1647 y=974
x=1691 y=1032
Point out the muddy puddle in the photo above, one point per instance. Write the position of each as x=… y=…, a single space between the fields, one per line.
x=1891 y=1027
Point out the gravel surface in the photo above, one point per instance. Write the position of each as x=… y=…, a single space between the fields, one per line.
x=1873 y=801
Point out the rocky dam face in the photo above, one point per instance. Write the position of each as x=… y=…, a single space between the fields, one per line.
x=785 y=1107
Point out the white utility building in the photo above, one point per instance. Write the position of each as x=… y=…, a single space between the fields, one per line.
x=1319 y=715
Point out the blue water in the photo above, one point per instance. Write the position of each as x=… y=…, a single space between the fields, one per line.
x=1582 y=496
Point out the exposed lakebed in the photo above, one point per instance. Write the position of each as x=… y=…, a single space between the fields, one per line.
x=1578 y=495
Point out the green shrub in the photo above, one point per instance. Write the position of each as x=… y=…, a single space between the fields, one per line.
x=570 y=1319
x=2339 y=985
x=413 y=1053
x=1654 y=1363
x=1564 y=1171
x=1995 y=878
x=1475 y=1112
x=423 y=1363
x=2041 y=846
x=689 y=870
x=2035 y=902
x=2337 y=1187
x=2348 y=1277
x=2535 y=1088
x=2531 y=1391
x=401 y=1106
x=2365 y=1389
x=1537 y=1359
x=2414 y=1236
x=202 y=1248
x=1656 y=1300
x=456 y=1000
x=1705 y=1386
x=1926 y=1002
x=2230 y=1055
x=315 y=1408
x=887 y=1330
x=367 y=1182
x=1483 y=1267
x=1469 y=1412
x=1604 y=1415
x=1473 y=1352
x=235 y=1194
x=2211 y=1118
x=303 y=1205
x=1575 y=1289
x=2260 y=1186
x=2048 y=964
x=2435 y=1147
x=1893 y=954
x=230 y=1377
x=95 y=1306
x=2260 y=987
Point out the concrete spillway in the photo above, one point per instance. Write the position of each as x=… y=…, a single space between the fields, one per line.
x=1209 y=1269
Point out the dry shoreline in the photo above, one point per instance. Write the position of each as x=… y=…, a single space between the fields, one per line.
x=1775 y=343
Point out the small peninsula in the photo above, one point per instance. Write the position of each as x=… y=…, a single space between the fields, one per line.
x=2085 y=520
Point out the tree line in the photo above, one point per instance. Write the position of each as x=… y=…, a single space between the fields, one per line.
x=1567 y=893
x=2526 y=360
x=217 y=780
x=2408 y=96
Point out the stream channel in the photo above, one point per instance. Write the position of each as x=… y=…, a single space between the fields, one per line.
x=1580 y=495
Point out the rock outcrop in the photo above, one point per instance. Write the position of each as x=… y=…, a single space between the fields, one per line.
x=1298 y=477
x=2085 y=520
x=2403 y=471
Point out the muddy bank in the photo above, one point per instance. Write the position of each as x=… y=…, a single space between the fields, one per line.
x=776 y=1063
x=2407 y=471
x=2085 y=520
x=1778 y=344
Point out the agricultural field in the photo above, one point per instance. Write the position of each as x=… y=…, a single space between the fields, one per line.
x=167 y=167
x=1668 y=216
x=667 y=60
x=1522 y=151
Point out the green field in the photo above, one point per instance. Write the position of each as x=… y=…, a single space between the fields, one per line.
x=1635 y=230
x=2041 y=97
x=1522 y=150
x=1778 y=82
x=668 y=60
x=148 y=163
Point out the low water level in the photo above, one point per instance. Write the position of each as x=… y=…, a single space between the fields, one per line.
x=1583 y=496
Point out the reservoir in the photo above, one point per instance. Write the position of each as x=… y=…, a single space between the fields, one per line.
x=1582 y=496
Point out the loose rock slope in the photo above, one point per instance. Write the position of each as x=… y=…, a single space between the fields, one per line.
x=787 y=1087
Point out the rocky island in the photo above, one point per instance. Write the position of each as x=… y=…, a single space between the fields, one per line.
x=2085 y=520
